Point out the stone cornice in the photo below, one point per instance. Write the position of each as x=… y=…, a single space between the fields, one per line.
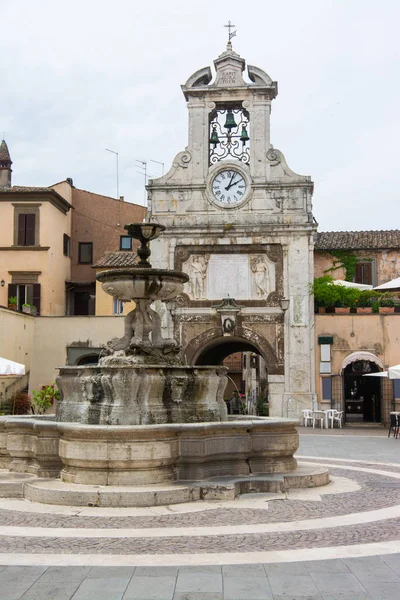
x=26 y=248
x=267 y=185
x=229 y=228
x=8 y=195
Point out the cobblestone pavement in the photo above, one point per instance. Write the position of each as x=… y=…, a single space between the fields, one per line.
x=365 y=499
x=354 y=555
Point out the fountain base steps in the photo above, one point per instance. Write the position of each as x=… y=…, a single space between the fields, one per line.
x=12 y=484
x=57 y=492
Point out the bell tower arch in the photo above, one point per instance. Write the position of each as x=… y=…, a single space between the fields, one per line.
x=239 y=222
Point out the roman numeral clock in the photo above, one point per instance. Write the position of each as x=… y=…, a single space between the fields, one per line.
x=229 y=187
x=239 y=222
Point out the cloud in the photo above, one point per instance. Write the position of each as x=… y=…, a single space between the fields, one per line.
x=80 y=77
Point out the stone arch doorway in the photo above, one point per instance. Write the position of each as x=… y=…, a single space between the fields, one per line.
x=247 y=365
x=362 y=395
x=211 y=346
x=219 y=349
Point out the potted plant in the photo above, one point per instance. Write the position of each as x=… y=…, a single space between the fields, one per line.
x=44 y=398
x=347 y=298
x=29 y=309
x=21 y=404
x=375 y=307
x=12 y=302
x=325 y=293
x=386 y=304
x=364 y=303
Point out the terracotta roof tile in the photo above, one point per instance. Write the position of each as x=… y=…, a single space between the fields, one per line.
x=16 y=189
x=118 y=259
x=357 y=240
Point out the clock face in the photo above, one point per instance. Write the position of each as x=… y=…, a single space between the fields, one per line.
x=229 y=187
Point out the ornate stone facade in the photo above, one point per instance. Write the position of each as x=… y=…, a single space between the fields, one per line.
x=239 y=222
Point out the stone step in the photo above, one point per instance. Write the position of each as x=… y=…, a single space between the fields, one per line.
x=54 y=491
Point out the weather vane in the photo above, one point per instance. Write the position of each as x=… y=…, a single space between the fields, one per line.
x=231 y=34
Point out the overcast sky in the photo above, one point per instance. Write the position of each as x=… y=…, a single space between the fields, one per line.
x=80 y=77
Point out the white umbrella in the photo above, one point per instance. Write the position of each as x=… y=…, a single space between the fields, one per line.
x=378 y=374
x=391 y=373
x=9 y=367
x=394 y=372
x=394 y=284
x=351 y=284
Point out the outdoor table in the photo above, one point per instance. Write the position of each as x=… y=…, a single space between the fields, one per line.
x=327 y=413
x=320 y=416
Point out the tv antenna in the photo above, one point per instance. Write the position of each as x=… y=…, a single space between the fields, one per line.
x=116 y=156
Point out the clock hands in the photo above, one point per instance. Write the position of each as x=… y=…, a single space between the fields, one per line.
x=230 y=184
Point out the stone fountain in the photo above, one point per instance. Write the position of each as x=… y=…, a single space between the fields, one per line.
x=139 y=379
x=141 y=428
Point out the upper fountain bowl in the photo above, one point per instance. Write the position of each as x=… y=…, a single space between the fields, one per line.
x=142 y=283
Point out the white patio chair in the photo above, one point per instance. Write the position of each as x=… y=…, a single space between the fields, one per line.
x=394 y=424
x=338 y=418
x=330 y=415
x=307 y=417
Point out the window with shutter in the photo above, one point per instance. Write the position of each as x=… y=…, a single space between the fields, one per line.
x=30 y=230
x=36 y=297
x=85 y=253
x=363 y=273
x=26 y=229
x=12 y=291
x=66 y=245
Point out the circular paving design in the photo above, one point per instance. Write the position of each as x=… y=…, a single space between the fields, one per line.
x=358 y=512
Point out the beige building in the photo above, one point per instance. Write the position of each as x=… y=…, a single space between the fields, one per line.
x=372 y=256
x=35 y=227
x=45 y=343
x=50 y=239
x=97 y=228
x=349 y=347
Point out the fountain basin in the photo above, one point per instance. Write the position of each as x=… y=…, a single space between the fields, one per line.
x=124 y=394
x=141 y=283
x=147 y=454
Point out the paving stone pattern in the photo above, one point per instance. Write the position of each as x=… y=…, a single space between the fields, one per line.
x=376 y=492
x=366 y=533
x=373 y=578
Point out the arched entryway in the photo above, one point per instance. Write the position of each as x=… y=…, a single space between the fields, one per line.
x=247 y=372
x=218 y=349
x=362 y=395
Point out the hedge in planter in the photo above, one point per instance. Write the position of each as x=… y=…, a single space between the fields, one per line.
x=325 y=292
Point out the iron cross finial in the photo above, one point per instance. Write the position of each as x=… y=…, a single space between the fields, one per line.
x=231 y=34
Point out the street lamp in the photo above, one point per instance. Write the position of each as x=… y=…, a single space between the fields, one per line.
x=284 y=304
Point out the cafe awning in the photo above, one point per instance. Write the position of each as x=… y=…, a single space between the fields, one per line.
x=392 y=285
x=11 y=368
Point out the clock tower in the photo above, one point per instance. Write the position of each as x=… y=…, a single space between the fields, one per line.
x=239 y=222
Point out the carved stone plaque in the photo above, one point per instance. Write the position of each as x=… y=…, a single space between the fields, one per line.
x=240 y=276
x=228 y=274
